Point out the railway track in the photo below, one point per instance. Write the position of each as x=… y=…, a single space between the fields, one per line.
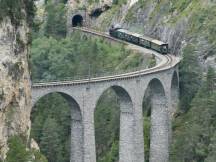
x=166 y=62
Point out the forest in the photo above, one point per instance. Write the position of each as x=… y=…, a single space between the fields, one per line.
x=55 y=55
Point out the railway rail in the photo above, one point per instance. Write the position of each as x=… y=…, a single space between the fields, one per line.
x=165 y=62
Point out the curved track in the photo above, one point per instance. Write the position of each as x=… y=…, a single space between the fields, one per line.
x=165 y=62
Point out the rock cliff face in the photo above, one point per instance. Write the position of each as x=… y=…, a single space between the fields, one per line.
x=180 y=23
x=15 y=101
x=74 y=4
x=102 y=13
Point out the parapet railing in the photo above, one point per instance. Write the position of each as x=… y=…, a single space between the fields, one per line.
x=103 y=73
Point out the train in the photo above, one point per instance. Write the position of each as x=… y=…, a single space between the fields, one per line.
x=138 y=39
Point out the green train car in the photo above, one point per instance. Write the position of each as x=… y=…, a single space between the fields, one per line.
x=138 y=39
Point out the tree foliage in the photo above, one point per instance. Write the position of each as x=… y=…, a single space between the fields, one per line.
x=194 y=132
x=18 y=151
x=55 y=24
x=190 y=77
x=107 y=116
x=73 y=56
x=51 y=127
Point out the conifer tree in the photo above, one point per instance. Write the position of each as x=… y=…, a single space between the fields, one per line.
x=50 y=141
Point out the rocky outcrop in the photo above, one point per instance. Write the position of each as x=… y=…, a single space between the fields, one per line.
x=74 y=4
x=34 y=145
x=98 y=10
x=15 y=102
x=155 y=24
x=177 y=24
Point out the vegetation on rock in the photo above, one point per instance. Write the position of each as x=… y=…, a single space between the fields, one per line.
x=14 y=10
x=18 y=152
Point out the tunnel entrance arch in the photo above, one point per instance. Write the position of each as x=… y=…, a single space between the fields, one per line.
x=70 y=116
x=125 y=121
x=77 y=21
x=155 y=108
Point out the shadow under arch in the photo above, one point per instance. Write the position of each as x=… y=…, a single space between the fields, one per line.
x=77 y=132
x=77 y=20
x=126 y=122
x=174 y=92
x=155 y=104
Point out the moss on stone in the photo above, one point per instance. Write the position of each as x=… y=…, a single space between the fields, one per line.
x=20 y=46
x=10 y=115
x=15 y=70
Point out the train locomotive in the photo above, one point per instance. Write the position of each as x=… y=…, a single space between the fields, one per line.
x=138 y=39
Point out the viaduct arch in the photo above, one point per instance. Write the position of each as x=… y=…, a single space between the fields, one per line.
x=159 y=131
x=126 y=121
x=83 y=95
x=76 y=125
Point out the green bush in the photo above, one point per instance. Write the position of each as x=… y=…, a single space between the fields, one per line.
x=52 y=59
x=55 y=24
x=18 y=152
x=194 y=131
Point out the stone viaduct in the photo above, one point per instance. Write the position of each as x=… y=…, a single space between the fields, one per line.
x=159 y=83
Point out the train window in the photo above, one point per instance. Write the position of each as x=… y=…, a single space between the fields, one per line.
x=121 y=35
x=156 y=47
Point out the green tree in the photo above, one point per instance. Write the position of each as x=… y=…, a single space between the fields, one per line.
x=190 y=77
x=17 y=150
x=38 y=157
x=194 y=132
x=55 y=108
x=50 y=141
x=107 y=122
x=212 y=149
x=55 y=24
x=211 y=76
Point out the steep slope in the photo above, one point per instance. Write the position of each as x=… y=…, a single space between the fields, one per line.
x=15 y=102
x=180 y=23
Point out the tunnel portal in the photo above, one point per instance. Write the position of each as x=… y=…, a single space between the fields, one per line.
x=77 y=20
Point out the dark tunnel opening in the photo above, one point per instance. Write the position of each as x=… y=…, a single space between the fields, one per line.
x=98 y=11
x=77 y=20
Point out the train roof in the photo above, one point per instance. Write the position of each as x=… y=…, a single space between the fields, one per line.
x=146 y=38
x=124 y=31
x=158 y=42
x=130 y=33
x=141 y=36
